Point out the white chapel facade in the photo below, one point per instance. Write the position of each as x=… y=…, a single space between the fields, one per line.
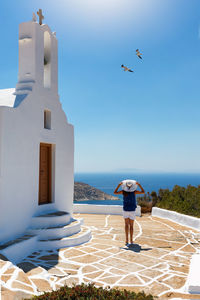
x=36 y=140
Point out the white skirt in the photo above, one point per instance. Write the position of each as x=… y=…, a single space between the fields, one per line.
x=129 y=214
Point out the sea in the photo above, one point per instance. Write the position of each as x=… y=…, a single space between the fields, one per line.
x=107 y=182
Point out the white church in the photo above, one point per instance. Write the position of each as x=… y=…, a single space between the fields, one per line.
x=36 y=153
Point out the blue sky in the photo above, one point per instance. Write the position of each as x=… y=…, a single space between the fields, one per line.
x=147 y=120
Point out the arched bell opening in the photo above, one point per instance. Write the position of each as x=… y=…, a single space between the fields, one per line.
x=47 y=60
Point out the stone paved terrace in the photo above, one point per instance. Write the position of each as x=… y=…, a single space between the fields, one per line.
x=157 y=262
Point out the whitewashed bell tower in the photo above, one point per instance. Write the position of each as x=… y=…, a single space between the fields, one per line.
x=38 y=63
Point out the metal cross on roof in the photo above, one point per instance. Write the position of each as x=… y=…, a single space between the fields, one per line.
x=41 y=17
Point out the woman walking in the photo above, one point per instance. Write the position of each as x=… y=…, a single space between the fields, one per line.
x=129 y=204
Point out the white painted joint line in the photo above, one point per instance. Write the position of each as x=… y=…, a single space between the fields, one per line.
x=140 y=230
x=114 y=237
x=106 y=221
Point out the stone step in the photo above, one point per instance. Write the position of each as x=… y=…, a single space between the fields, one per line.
x=19 y=248
x=52 y=219
x=82 y=237
x=57 y=232
x=53 y=230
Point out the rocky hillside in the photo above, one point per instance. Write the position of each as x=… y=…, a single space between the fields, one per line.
x=84 y=192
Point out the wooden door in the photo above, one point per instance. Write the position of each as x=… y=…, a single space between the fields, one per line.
x=45 y=174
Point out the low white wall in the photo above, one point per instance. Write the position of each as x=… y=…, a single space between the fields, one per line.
x=193 y=280
x=176 y=217
x=101 y=209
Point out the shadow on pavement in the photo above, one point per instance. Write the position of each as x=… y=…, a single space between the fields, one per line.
x=135 y=248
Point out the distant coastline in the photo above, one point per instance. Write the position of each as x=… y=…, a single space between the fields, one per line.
x=107 y=182
x=85 y=192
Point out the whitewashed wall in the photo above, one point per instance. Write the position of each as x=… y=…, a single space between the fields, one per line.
x=176 y=217
x=21 y=132
x=101 y=209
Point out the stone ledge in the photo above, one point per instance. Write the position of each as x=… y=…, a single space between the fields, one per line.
x=101 y=209
x=176 y=217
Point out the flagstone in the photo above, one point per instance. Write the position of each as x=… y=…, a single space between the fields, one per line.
x=7 y=294
x=100 y=266
x=106 y=274
x=151 y=242
x=151 y=273
x=139 y=259
x=35 y=271
x=146 y=279
x=23 y=278
x=175 y=246
x=52 y=278
x=105 y=237
x=177 y=259
x=157 y=252
x=42 y=285
x=69 y=281
x=105 y=260
x=94 y=275
x=176 y=282
x=2 y=263
x=100 y=246
x=109 y=280
x=188 y=248
x=114 y=250
x=55 y=271
x=103 y=253
x=117 y=271
x=67 y=266
x=73 y=252
x=70 y=272
x=164 y=277
x=120 y=237
x=20 y=286
x=5 y=278
x=87 y=258
x=176 y=295
x=130 y=279
x=183 y=268
x=9 y=271
x=124 y=265
x=155 y=288
x=89 y=250
x=161 y=266
x=108 y=243
x=89 y=269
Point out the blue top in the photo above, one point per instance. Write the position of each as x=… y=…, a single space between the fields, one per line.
x=129 y=202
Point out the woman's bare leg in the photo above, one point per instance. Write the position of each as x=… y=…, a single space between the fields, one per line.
x=131 y=222
x=126 y=228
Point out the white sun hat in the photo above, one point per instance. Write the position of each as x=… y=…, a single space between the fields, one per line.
x=129 y=185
